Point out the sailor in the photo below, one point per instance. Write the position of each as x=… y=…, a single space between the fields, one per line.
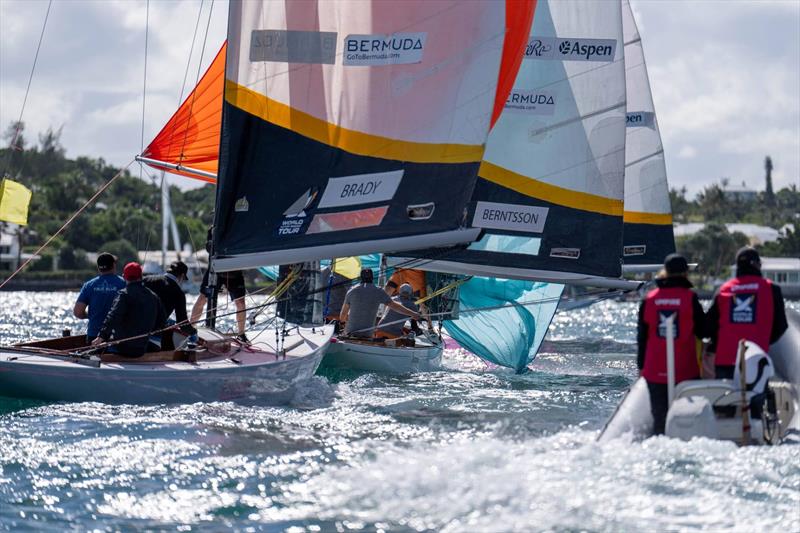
x=361 y=304
x=233 y=281
x=415 y=278
x=673 y=296
x=98 y=294
x=135 y=313
x=168 y=289
x=746 y=307
x=391 y=325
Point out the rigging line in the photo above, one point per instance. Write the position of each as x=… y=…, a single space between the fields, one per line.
x=27 y=91
x=197 y=78
x=67 y=223
x=144 y=81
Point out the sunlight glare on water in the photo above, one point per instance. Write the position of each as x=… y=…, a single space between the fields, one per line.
x=470 y=448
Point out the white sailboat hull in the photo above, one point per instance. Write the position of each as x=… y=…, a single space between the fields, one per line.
x=257 y=375
x=423 y=357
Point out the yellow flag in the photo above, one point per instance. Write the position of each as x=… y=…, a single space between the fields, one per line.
x=349 y=267
x=14 y=200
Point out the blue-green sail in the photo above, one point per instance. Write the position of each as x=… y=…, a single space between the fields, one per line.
x=510 y=334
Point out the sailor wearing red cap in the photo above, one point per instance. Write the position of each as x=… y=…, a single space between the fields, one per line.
x=746 y=307
x=135 y=313
x=673 y=295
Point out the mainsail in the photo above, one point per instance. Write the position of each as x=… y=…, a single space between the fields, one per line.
x=648 y=235
x=357 y=127
x=550 y=195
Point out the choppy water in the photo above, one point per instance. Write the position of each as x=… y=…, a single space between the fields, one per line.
x=466 y=449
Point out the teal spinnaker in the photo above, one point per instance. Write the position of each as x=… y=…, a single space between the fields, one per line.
x=504 y=321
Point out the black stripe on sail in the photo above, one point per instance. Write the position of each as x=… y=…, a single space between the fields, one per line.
x=595 y=239
x=267 y=171
x=647 y=244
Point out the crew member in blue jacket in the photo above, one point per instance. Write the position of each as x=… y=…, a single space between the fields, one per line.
x=98 y=294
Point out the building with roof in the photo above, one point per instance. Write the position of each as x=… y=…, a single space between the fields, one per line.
x=757 y=235
x=785 y=271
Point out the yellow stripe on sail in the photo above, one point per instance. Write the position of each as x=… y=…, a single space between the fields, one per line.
x=550 y=193
x=635 y=217
x=14 y=201
x=351 y=141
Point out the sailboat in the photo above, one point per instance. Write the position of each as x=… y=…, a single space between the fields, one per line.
x=346 y=128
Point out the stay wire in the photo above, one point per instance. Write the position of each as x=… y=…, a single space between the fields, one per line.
x=197 y=80
x=13 y=144
x=144 y=81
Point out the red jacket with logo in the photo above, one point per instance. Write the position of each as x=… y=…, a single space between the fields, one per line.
x=745 y=312
x=657 y=307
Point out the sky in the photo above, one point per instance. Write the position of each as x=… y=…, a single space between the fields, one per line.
x=725 y=77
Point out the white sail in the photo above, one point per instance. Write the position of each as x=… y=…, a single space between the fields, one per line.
x=648 y=235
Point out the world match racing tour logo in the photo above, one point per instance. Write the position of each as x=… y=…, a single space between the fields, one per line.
x=571 y=49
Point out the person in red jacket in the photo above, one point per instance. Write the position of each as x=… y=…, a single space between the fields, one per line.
x=746 y=307
x=673 y=295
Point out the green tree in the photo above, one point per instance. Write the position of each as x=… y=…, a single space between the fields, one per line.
x=786 y=246
x=123 y=249
x=713 y=248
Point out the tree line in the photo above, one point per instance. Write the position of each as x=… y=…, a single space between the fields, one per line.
x=714 y=247
x=124 y=219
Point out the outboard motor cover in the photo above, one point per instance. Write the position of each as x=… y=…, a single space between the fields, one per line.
x=691 y=417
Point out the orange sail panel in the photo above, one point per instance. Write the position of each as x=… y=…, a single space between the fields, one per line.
x=191 y=137
x=519 y=18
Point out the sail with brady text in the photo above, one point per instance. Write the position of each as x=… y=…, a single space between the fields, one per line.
x=357 y=127
x=549 y=198
x=648 y=234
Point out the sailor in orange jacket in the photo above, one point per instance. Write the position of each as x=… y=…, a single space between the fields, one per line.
x=673 y=295
x=746 y=307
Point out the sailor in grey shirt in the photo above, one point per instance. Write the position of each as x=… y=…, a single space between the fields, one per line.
x=392 y=322
x=360 y=309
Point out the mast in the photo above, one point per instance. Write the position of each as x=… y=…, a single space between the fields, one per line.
x=165 y=214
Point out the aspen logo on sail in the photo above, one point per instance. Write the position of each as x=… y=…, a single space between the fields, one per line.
x=637 y=119
x=373 y=50
x=361 y=189
x=587 y=49
x=571 y=49
x=533 y=102
x=511 y=217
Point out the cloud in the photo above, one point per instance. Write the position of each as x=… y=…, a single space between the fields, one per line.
x=687 y=152
x=726 y=84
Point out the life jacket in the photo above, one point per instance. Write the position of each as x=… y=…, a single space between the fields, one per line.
x=745 y=312
x=659 y=305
